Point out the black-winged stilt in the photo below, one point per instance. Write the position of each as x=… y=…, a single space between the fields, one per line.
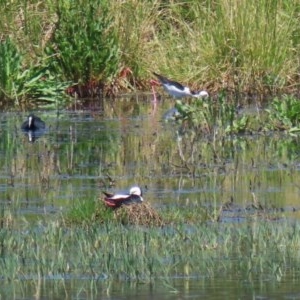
x=176 y=89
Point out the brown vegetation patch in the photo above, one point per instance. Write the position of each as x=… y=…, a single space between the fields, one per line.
x=138 y=214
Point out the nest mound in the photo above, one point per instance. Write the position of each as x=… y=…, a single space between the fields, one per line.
x=138 y=214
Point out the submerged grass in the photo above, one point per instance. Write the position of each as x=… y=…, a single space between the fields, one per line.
x=134 y=253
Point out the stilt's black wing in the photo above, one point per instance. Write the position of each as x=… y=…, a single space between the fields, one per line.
x=165 y=80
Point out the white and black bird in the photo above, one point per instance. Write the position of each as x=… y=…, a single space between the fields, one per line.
x=134 y=196
x=33 y=127
x=33 y=123
x=178 y=90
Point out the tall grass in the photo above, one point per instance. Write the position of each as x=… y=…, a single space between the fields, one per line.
x=135 y=22
x=10 y=68
x=229 y=44
x=240 y=46
x=85 y=45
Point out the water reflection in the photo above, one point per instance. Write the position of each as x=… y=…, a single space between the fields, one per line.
x=171 y=114
x=215 y=288
x=33 y=135
x=128 y=142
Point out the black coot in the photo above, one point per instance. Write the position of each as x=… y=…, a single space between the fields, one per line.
x=33 y=127
x=33 y=123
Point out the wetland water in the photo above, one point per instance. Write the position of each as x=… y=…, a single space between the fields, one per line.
x=87 y=147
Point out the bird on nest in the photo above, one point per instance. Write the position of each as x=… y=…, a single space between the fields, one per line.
x=116 y=200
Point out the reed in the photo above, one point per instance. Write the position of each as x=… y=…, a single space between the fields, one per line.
x=250 y=44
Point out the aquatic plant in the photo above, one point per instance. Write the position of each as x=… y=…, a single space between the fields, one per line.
x=87 y=213
x=197 y=239
x=206 y=116
x=84 y=213
x=10 y=68
x=38 y=82
x=235 y=46
x=284 y=114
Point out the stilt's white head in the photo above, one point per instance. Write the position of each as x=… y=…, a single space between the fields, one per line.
x=201 y=94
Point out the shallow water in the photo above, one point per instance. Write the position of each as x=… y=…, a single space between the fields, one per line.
x=201 y=288
x=116 y=144
x=127 y=142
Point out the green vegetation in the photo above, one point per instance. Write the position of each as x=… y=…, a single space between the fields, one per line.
x=211 y=117
x=84 y=45
x=112 y=251
x=87 y=213
x=244 y=46
x=222 y=117
x=17 y=83
x=284 y=114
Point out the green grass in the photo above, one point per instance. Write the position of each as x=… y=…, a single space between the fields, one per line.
x=117 y=252
x=220 y=116
x=284 y=114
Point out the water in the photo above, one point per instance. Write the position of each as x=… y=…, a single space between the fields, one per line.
x=129 y=143
x=116 y=144
x=202 y=288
